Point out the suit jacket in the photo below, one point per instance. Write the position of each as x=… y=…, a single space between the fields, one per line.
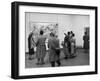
x=53 y=43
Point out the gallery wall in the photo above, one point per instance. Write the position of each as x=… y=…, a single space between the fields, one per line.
x=75 y=23
x=79 y=24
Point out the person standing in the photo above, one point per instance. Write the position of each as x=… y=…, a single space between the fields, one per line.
x=58 y=49
x=86 y=42
x=31 y=45
x=41 y=48
x=53 y=44
x=73 y=46
x=67 y=45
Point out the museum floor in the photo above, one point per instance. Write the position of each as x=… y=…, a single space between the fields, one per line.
x=81 y=59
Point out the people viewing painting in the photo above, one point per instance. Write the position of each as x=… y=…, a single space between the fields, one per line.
x=56 y=40
x=54 y=51
x=41 y=48
x=31 y=45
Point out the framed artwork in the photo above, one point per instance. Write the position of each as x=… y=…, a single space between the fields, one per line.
x=52 y=40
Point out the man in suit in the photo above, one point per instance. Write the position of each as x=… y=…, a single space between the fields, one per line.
x=53 y=45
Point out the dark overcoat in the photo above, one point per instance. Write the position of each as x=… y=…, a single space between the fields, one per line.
x=53 y=43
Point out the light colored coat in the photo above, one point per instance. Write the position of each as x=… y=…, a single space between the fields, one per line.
x=41 y=47
x=73 y=45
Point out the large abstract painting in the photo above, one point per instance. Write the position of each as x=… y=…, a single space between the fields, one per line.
x=47 y=27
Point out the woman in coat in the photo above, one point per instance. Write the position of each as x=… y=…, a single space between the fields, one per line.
x=73 y=46
x=41 y=48
x=31 y=45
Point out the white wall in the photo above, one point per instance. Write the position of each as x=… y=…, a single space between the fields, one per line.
x=75 y=23
x=5 y=41
x=79 y=23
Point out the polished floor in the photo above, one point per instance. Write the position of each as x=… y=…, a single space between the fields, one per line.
x=82 y=58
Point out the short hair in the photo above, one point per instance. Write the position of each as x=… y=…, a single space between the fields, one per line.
x=52 y=34
x=41 y=32
x=68 y=33
x=73 y=34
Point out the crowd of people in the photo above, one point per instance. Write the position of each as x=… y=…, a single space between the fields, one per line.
x=69 y=45
x=69 y=48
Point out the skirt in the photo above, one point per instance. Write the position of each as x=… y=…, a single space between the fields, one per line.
x=40 y=51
